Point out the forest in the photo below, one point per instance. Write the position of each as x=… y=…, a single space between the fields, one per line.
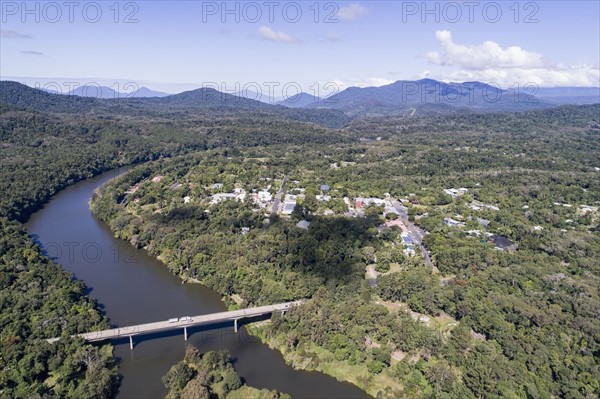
x=210 y=375
x=520 y=323
x=504 y=324
x=44 y=152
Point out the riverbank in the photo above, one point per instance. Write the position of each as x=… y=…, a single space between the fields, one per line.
x=134 y=287
x=311 y=357
x=317 y=358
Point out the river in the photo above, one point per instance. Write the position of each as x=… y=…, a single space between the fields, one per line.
x=134 y=287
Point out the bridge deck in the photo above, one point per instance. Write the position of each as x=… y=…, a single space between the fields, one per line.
x=159 y=326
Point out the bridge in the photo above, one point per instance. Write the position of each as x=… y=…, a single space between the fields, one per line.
x=183 y=323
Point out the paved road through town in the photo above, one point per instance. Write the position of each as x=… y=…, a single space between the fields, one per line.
x=415 y=232
x=277 y=200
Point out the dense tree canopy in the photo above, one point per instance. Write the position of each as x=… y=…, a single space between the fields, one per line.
x=482 y=323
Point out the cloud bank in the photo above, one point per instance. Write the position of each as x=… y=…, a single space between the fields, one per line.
x=489 y=62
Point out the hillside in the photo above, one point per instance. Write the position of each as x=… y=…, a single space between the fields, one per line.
x=300 y=100
x=427 y=95
x=108 y=93
x=204 y=102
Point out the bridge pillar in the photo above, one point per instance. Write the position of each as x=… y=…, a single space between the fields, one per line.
x=130 y=342
x=185 y=333
x=235 y=325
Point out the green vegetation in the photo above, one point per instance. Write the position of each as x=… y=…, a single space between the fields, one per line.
x=518 y=323
x=201 y=104
x=39 y=300
x=40 y=154
x=513 y=323
x=210 y=375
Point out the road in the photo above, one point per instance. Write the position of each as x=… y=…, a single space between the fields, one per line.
x=182 y=322
x=415 y=232
x=277 y=200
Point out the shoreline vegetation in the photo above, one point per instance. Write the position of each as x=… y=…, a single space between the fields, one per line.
x=211 y=375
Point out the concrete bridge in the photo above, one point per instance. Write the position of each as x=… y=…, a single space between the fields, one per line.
x=183 y=323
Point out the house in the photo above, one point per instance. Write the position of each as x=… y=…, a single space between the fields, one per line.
x=503 y=243
x=585 y=209
x=453 y=223
x=216 y=198
x=324 y=187
x=289 y=204
x=288 y=208
x=406 y=239
x=133 y=189
x=186 y=199
x=484 y=223
x=156 y=179
x=478 y=205
x=240 y=197
x=245 y=230
x=303 y=224
x=265 y=196
x=455 y=192
x=370 y=201
x=217 y=186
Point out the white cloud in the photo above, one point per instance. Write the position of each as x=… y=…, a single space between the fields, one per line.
x=351 y=12
x=483 y=56
x=369 y=82
x=585 y=75
x=489 y=62
x=11 y=34
x=31 y=52
x=282 y=37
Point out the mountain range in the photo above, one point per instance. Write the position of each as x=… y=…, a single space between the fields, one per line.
x=109 y=93
x=569 y=95
x=425 y=96
x=199 y=102
x=300 y=100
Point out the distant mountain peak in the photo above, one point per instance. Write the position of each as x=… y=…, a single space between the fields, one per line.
x=299 y=100
x=431 y=95
x=109 y=93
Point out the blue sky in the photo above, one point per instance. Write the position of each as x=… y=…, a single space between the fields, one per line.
x=181 y=45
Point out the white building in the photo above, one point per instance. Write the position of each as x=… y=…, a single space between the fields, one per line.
x=455 y=192
x=453 y=223
x=265 y=196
